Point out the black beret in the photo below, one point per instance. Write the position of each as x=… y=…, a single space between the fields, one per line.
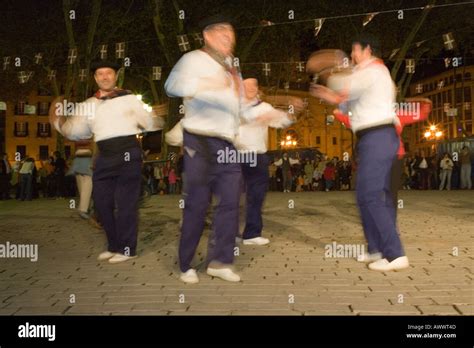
x=215 y=19
x=104 y=64
x=367 y=39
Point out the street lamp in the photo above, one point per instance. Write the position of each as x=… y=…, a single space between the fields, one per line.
x=288 y=142
x=433 y=133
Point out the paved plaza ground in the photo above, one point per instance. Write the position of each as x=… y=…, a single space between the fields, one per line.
x=290 y=276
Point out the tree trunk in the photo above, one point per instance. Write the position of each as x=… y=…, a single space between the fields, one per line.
x=96 y=6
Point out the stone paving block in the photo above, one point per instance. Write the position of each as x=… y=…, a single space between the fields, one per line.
x=134 y=299
x=465 y=309
x=438 y=310
x=41 y=310
x=449 y=300
x=430 y=293
x=266 y=313
x=366 y=308
x=146 y=313
x=415 y=301
x=320 y=307
x=332 y=312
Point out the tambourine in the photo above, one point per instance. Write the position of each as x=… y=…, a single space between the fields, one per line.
x=324 y=63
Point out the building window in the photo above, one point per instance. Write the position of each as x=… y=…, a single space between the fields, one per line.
x=468 y=114
x=43 y=152
x=43 y=108
x=468 y=128
x=318 y=140
x=467 y=94
x=334 y=140
x=44 y=130
x=42 y=91
x=437 y=100
x=21 y=129
x=67 y=151
x=3 y=115
x=21 y=149
x=20 y=108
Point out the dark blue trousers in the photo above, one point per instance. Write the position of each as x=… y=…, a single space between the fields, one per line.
x=205 y=177
x=26 y=190
x=116 y=185
x=256 y=186
x=377 y=151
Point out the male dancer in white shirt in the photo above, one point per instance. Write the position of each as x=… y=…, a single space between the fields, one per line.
x=370 y=93
x=113 y=117
x=210 y=86
x=253 y=136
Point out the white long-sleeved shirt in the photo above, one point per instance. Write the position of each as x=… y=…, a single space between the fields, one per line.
x=110 y=118
x=371 y=94
x=27 y=167
x=253 y=133
x=174 y=137
x=446 y=164
x=206 y=112
x=291 y=161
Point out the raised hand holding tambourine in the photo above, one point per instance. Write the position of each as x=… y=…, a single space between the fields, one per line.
x=327 y=60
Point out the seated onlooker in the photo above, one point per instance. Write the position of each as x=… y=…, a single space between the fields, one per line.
x=161 y=187
x=300 y=183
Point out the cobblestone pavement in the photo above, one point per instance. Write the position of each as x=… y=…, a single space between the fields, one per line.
x=290 y=276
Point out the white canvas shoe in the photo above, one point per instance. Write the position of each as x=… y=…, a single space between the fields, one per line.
x=367 y=257
x=383 y=265
x=105 y=255
x=190 y=276
x=256 y=241
x=224 y=274
x=117 y=258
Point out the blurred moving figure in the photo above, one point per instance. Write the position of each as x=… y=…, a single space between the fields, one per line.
x=369 y=94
